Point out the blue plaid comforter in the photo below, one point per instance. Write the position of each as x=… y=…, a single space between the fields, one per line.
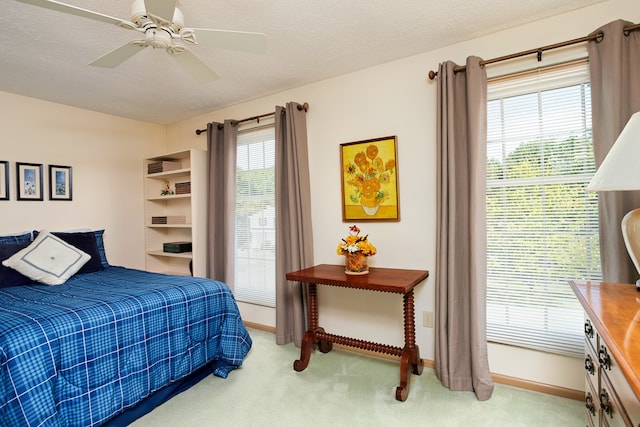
x=79 y=353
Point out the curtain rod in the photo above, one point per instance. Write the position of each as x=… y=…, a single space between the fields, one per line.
x=304 y=107
x=597 y=37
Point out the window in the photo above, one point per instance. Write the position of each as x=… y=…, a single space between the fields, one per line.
x=255 y=255
x=542 y=226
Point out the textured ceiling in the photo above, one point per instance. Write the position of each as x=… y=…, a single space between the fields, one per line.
x=44 y=54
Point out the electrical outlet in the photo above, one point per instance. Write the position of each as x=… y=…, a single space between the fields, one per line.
x=427 y=319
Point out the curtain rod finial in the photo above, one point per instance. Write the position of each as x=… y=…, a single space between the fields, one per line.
x=432 y=74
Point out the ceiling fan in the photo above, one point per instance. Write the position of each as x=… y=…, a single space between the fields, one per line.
x=162 y=24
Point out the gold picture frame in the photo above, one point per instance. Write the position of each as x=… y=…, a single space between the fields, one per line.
x=369 y=172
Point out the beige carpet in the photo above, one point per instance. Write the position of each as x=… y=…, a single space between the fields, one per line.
x=342 y=388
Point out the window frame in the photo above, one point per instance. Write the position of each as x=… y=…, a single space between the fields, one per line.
x=253 y=292
x=567 y=339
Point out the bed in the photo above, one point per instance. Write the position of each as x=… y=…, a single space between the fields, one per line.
x=101 y=347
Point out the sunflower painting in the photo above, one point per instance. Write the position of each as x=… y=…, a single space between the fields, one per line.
x=370 y=180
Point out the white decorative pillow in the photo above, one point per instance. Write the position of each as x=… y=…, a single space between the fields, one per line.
x=48 y=259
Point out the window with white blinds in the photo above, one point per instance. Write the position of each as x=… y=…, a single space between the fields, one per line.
x=255 y=237
x=542 y=225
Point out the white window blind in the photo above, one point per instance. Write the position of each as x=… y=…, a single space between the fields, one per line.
x=255 y=257
x=542 y=226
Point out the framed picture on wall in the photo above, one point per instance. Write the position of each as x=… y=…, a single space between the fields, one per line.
x=29 y=182
x=60 y=183
x=4 y=180
x=369 y=181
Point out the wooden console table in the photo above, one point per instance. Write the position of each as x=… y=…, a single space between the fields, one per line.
x=391 y=280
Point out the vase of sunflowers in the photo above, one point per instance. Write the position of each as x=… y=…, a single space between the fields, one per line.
x=356 y=249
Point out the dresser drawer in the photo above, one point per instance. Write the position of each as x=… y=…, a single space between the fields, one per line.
x=591 y=403
x=613 y=414
x=616 y=378
x=625 y=396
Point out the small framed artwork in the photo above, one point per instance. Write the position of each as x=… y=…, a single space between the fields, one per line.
x=60 y=183
x=370 y=180
x=4 y=180
x=29 y=182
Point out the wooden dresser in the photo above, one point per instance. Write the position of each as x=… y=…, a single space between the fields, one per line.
x=612 y=352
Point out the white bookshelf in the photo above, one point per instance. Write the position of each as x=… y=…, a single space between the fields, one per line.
x=193 y=206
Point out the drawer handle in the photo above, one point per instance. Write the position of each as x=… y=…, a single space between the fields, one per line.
x=591 y=407
x=589 y=366
x=605 y=405
x=604 y=358
x=588 y=329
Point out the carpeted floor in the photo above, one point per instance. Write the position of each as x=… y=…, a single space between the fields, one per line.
x=342 y=388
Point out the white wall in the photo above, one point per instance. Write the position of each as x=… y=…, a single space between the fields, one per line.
x=106 y=155
x=397 y=99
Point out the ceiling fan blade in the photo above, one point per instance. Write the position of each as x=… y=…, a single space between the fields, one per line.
x=198 y=69
x=78 y=11
x=234 y=40
x=161 y=8
x=117 y=56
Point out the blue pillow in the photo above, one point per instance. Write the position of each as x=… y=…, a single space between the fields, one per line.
x=101 y=251
x=9 y=276
x=86 y=242
x=16 y=238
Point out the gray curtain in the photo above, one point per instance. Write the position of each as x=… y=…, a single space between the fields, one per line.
x=461 y=361
x=294 y=236
x=614 y=64
x=222 y=140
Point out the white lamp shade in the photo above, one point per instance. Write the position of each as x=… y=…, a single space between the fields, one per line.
x=620 y=169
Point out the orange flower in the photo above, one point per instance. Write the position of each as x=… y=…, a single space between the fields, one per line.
x=372 y=151
x=370 y=187
x=378 y=164
x=360 y=159
x=355 y=243
x=371 y=170
x=384 y=178
x=357 y=181
x=390 y=164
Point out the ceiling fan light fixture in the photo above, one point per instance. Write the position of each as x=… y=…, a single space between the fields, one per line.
x=178 y=21
x=139 y=14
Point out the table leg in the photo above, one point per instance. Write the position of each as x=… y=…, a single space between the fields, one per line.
x=410 y=359
x=305 y=352
x=309 y=338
